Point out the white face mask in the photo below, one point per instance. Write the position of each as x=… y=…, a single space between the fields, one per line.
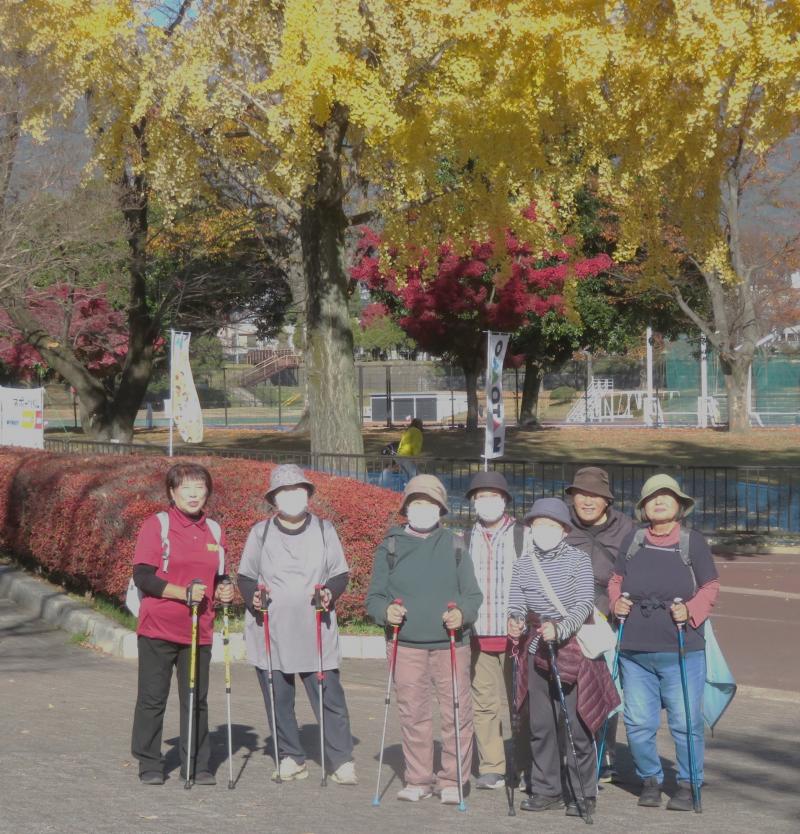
x=490 y=508
x=423 y=516
x=546 y=537
x=292 y=502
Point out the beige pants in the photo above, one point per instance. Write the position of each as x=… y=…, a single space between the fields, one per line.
x=492 y=700
x=419 y=675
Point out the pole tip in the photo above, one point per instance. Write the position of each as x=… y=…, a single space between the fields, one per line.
x=376 y=802
x=462 y=806
x=231 y=785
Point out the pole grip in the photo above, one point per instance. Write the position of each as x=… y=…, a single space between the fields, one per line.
x=264 y=596
x=318 y=596
x=680 y=626
x=190 y=592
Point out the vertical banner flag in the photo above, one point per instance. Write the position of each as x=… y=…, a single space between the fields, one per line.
x=495 y=410
x=185 y=404
x=21 y=422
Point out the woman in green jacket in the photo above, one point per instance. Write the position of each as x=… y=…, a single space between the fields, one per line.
x=427 y=567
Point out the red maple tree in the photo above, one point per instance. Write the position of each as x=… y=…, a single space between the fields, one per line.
x=448 y=311
x=81 y=319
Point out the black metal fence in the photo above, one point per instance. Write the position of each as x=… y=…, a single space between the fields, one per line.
x=730 y=499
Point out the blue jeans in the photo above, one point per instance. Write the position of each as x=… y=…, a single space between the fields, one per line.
x=650 y=681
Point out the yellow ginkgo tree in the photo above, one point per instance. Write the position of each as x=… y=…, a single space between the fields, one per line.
x=433 y=119
x=699 y=96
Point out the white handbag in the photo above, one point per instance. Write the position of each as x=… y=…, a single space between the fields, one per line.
x=594 y=638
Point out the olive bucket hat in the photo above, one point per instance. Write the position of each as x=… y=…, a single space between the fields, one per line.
x=657 y=483
x=426 y=486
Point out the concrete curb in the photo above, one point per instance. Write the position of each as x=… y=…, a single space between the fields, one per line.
x=49 y=602
x=53 y=606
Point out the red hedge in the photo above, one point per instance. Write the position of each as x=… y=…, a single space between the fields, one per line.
x=78 y=516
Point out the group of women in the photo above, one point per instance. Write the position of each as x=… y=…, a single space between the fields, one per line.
x=522 y=591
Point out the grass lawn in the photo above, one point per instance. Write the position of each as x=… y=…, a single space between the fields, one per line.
x=709 y=447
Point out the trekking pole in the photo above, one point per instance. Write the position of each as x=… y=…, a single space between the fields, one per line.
x=192 y=667
x=614 y=674
x=512 y=769
x=392 y=663
x=226 y=643
x=453 y=675
x=264 y=604
x=585 y=813
x=696 y=800
x=320 y=680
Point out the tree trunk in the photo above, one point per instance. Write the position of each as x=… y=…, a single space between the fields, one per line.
x=471 y=379
x=736 y=374
x=529 y=408
x=106 y=413
x=330 y=367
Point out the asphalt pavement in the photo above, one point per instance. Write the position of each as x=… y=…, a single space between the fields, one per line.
x=65 y=763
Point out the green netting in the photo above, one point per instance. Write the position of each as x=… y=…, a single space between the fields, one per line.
x=775 y=382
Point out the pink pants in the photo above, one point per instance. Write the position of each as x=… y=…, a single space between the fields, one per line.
x=418 y=675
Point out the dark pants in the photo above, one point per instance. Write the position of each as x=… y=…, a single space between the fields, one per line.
x=157 y=658
x=338 y=739
x=545 y=717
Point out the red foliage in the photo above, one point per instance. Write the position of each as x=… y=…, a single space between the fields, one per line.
x=95 y=331
x=448 y=312
x=78 y=517
x=373 y=312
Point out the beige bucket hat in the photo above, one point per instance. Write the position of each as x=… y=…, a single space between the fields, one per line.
x=428 y=486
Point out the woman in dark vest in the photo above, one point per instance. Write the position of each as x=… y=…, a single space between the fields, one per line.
x=655 y=572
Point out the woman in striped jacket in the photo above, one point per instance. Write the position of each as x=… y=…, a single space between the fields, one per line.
x=569 y=571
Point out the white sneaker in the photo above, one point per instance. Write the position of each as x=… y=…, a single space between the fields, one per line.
x=290 y=770
x=345 y=774
x=413 y=793
x=449 y=796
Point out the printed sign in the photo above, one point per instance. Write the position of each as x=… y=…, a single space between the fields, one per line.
x=494 y=446
x=21 y=417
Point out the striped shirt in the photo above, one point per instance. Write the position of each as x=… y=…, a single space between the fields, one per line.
x=493 y=556
x=570 y=573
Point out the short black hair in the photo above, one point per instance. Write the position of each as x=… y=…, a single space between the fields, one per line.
x=181 y=472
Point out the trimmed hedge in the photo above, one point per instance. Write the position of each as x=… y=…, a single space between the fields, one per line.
x=78 y=516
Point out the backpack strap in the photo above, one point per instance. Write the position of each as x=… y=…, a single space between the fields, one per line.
x=686 y=556
x=519 y=538
x=163 y=520
x=216 y=532
x=458 y=548
x=264 y=533
x=636 y=544
x=391 y=554
x=458 y=552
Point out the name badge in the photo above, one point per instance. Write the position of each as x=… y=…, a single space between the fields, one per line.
x=213 y=547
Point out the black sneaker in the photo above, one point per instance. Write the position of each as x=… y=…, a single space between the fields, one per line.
x=650 y=797
x=204 y=778
x=151 y=777
x=577 y=809
x=681 y=800
x=538 y=802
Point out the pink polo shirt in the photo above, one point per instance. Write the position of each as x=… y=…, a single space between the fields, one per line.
x=194 y=554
